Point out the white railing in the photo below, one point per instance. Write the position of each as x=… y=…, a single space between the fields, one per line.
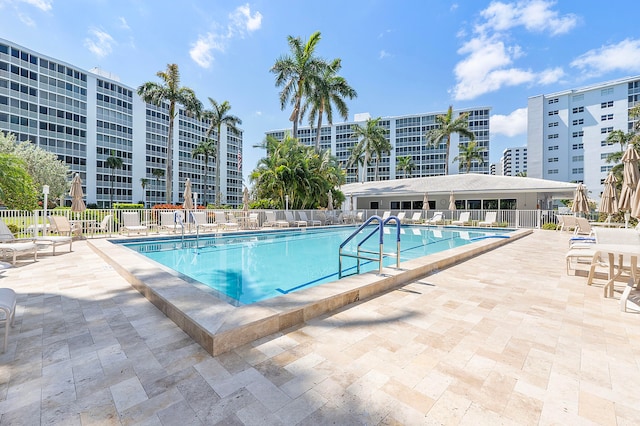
x=29 y=223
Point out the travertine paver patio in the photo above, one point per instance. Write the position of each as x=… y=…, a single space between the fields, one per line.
x=505 y=338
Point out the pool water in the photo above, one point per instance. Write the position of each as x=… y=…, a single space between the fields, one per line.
x=247 y=268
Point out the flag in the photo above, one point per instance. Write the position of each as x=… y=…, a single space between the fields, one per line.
x=239 y=160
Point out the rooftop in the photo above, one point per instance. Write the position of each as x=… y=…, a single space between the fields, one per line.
x=506 y=337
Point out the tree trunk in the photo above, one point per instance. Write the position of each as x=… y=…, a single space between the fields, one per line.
x=169 y=165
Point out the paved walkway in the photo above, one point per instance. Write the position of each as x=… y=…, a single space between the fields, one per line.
x=505 y=338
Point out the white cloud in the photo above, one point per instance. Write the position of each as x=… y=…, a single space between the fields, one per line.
x=241 y=22
x=510 y=125
x=383 y=54
x=100 y=42
x=490 y=62
x=25 y=19
x=533 y=15
x=44 y=5
x=624 y=56
x=123 y=23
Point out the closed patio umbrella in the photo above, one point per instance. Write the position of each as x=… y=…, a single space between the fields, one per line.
x=609 y=201
x=188 y=195
x=245 y=199
x=580 y=201
x=425 y=202
x=329 y=200
x=630 y=179
x=452 y=202
x=77 y=203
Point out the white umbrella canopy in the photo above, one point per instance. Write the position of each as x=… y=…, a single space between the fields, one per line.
x=351 y=206
x=452 y=202
x=608 y=200
x=631 y=176
x=580 y=201
x=188 y=195
x=77 y=203
x=329 y=200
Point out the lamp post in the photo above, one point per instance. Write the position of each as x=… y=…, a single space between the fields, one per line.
x=45 y=191
x=286 y=198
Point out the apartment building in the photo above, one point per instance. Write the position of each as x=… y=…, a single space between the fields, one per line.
x=514 y=161
x=406 y=135
x=567 y=131
x=85 y=117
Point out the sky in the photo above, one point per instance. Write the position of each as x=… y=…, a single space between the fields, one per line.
x=401 y=56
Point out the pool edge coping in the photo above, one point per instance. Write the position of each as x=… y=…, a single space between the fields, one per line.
x=220 y=327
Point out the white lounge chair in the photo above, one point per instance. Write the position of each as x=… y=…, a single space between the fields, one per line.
x=103 y=226
x=489 y=219
x=386 y=214
x=401 y=216
x=566 y=222
x=131 y=223
x=462 y=220
x=223 y=222
x=272 y=221
x=8 y=306
x=312 y=222
x=254 y=221
x=201 y=222
x=62 y=226
x=619 y=237
x=415 y=218
x=292 y=220
x=435 y=219
x=583 y=226
x=169 y=222
x=10 y=246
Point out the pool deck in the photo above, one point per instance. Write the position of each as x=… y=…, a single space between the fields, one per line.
x=503 y=338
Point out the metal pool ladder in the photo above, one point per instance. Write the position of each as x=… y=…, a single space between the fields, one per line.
x=362 y=254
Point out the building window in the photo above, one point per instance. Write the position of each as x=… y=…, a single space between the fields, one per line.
x=577 y=98
x=576 y=158
x=578 y=122
x=606 y=168
x=554 y=112
x=577 y=110
x=553 y=136
x=553 y=172
x=606 y=130
x=552 y=159
x=553 y=148
x=607 y=91
x=578 y=170
x=606 y=117
x=608 y=104
x=578 y=134
x=578 y=146
x=553 y=101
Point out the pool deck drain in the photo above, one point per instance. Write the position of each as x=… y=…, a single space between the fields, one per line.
x=220 y=327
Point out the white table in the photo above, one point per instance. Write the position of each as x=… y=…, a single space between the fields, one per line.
x=619 y=251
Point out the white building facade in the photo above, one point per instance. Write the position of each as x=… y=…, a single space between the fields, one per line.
x=407 y=137
x=567 y=131
x=514 y=161
x=86 y=117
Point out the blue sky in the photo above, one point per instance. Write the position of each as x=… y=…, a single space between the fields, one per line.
x=402 y=57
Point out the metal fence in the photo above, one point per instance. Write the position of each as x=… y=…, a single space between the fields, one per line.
x=92 y=221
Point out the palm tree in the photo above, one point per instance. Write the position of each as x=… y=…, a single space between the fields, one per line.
x=207 y=149
x=328 y=88
x=373 y=142
x=468 y=153
x=144 y=182
x=295 y=73
x=406 y=164
x=170 y=91
x=218 y=115
x=448 y=125
x=113 y=163
x=356 y=158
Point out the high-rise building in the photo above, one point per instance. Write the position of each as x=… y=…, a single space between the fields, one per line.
x=567 y=131
x=85 y=117
x=407 y=137
x=514 y=161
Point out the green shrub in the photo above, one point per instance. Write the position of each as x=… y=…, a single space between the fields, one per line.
x=13 y=228
x=127 y=206
x=550 y=226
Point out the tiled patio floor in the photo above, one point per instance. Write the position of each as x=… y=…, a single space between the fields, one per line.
x=505 y=338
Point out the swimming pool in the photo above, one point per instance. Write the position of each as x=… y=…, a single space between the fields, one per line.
x=247 y=268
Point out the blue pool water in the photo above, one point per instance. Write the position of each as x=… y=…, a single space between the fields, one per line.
x=247 y=268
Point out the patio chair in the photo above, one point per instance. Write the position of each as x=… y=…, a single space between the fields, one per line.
x=415 y=218
x=386 y=214
x=619 y=237
x=313 y=222
x=566 y=222
x=225 y=223
x=254 y=221
x=169 y=222
x=131 y=223
x=490 y=219
x=435 y=219
x=8 y=306
x=271 y=221
x=62 y=226
x=462 y=220
x=583 y=227
x=292 y=220
x=201 y=222
x=11 y=246
x=103 y=226
x=401 y=216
